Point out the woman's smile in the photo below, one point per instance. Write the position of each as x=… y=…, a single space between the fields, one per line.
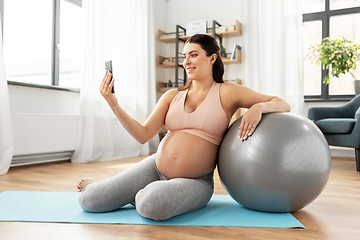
x=190 y=69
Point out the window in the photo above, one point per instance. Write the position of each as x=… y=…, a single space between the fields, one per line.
x=27 y=40
x=312 y=72
x=42 y=41
x=351 y=30
x=340 y=4
x=71 y=45
x=324 y=18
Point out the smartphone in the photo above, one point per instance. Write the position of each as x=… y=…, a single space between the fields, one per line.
x=108 y=67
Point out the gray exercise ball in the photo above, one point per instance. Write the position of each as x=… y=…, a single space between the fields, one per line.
x=282 y=167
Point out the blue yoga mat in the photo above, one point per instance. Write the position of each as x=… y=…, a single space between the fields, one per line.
x=63 y=207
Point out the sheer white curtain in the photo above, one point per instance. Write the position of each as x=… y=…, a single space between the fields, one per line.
x=272 y=53
x=6 y=138
x=117 y=30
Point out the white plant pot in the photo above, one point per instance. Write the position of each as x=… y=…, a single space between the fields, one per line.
x=357 y=87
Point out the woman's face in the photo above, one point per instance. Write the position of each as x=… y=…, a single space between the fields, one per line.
x=196 y=63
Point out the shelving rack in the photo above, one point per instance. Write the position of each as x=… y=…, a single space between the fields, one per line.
x=175 y=37
x=170 y=37
x=225 y=60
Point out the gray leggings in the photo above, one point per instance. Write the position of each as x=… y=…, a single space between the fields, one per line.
x=155 y=196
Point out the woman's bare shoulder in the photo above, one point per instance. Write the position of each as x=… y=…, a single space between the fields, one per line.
x=169 y=95
x=229 y=88
x=242 y=96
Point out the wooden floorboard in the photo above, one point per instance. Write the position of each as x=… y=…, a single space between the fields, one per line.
x=335 y=214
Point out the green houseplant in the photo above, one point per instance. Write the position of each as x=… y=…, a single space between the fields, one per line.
x=338 y=54
x=223 y=51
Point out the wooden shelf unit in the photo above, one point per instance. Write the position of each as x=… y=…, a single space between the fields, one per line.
x=160 y=60
x=161 y=87
x=171 y=39
x=237 y=59
x=176 y=38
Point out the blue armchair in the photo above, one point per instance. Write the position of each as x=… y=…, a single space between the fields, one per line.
x=340 y=125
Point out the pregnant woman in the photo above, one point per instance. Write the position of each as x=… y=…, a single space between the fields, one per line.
x=179 y=177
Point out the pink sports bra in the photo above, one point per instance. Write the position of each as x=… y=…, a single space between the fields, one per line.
x=208 y=121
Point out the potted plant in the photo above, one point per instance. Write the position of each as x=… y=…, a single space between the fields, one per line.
x=223 y=51
x=338 y=54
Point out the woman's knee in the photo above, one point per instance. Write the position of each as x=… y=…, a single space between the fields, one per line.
x=162 y=200
x=87 y=203
x=150 y=205
x=91 y=201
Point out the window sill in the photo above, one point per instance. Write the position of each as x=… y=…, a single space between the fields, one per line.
x=50 y=87
x=340 y=98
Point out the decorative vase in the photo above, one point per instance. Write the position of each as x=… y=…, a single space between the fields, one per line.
x=357 y=87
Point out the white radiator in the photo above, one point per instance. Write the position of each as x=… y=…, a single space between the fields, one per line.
x=42 y=138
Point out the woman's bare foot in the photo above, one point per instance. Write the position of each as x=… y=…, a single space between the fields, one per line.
x=84 y=182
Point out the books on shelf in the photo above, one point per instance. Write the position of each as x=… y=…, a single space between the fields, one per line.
x=233 y=55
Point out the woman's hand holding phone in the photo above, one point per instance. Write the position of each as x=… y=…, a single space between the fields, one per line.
x=108 y=67
x=105 y=89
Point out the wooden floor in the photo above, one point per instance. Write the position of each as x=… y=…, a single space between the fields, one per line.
x=335 y=214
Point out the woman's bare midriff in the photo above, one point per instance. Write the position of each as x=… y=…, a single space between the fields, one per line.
x=183 y=155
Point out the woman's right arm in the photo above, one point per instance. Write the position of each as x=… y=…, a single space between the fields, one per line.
x=140 y=132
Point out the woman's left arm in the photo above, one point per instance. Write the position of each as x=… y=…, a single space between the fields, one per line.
x=257 y=104
x=253 y=116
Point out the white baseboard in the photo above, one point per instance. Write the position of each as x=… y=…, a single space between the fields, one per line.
x=21 y=160
x=342 y=152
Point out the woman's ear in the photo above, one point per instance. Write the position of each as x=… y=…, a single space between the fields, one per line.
x=213 y=58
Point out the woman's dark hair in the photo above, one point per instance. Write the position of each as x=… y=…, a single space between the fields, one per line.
x=210 y=46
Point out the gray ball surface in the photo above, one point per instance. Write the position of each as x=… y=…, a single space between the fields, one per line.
x=282 y=167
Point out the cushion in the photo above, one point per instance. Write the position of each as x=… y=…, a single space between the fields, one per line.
x=336 y=125
x=357 y=114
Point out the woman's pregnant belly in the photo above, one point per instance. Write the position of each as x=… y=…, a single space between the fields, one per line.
x=183 y=155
